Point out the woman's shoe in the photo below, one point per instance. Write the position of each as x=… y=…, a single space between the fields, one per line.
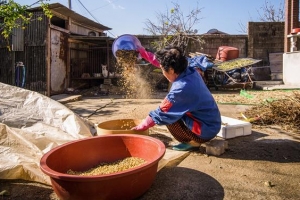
x=183 y=147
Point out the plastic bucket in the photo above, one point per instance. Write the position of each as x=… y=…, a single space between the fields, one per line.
x=227 y=53
x=126 y=42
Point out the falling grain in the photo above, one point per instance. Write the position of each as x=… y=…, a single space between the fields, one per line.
x=132 y=80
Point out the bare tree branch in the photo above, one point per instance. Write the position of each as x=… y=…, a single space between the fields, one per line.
x=267 y=13
x=175 y=28
x=270 y=13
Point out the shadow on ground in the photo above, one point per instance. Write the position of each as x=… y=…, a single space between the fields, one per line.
x=25 y=190
x=259 y=146
x=189 y=185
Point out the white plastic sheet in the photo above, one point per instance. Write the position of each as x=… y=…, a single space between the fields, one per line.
x=31 y=124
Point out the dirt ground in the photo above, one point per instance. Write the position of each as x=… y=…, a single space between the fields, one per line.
x=264 y=165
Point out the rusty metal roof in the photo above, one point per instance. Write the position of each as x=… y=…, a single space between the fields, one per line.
x=63 y=10
x=98 y=40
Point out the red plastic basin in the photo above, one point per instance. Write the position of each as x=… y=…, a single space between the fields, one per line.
x=84 y=154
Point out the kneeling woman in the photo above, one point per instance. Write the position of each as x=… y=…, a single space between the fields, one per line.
x=189 y=110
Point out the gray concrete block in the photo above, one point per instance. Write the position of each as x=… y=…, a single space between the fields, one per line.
x=216 y=147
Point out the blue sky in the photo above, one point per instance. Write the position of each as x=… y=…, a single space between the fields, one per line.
x=129 y=16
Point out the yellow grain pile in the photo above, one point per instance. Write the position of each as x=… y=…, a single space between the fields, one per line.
x=109 y=168
x=236 y=63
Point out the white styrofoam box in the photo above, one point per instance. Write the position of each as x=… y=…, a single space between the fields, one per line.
x=232 y=128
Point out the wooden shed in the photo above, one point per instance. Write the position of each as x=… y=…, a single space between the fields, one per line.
x=55 y=52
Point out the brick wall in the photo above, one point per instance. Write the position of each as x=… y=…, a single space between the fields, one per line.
x=263 y=38
x=211 y=43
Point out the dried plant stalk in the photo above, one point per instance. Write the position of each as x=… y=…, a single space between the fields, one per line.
x=282 y=112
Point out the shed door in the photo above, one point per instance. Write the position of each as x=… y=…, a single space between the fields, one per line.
x=58 y=63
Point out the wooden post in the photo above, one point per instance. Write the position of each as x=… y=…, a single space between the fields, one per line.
x=291 y=21
x=287 y=25
x=107 y=54
x=48 y=60
x=295 y=14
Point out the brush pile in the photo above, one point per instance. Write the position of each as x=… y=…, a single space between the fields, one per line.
x=284 y=112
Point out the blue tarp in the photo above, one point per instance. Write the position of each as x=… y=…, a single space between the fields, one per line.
x=201 y=62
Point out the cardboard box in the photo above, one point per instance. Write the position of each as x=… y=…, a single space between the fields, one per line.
x=232 y=128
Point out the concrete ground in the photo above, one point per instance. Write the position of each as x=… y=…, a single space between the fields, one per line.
x=263 y=165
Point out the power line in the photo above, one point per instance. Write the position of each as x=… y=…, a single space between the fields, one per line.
x=105 y=5
x=93 y=16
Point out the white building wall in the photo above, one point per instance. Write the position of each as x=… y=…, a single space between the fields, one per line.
x=291 y=68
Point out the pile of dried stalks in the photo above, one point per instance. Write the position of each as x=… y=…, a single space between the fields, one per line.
x=284 y=112
x=250 y=97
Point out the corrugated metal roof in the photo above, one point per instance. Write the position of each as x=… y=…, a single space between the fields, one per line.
x=99 y=40
x=63 y=10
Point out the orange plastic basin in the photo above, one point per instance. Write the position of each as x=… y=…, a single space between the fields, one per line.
x=84 y=154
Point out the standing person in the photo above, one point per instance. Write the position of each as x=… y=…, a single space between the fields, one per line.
x=189 y=110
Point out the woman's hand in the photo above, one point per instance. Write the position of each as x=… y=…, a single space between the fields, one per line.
x=145 y=124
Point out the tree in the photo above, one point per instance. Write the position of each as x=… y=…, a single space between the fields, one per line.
x=174 y=28
x=270 y=13
x=14 y=15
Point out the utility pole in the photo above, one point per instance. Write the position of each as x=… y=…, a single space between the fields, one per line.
x=70 y=4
